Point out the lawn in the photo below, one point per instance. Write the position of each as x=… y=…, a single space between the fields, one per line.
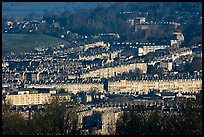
x=25 y=42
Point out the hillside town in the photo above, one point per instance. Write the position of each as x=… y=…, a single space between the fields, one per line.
x=104 y=75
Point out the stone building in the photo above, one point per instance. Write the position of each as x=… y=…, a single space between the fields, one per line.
x=114 y=71
x=144 y=86
x=102 y=120
x=26 y=98
x=71 y=87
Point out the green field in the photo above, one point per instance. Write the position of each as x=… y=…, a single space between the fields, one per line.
x=24 y=42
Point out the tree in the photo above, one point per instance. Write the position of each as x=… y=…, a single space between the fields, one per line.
x=43 y=27
x=49 y=16
x=131 y=122
x=195 y=40
x=151 y=69
x=56 y=118
x=196 y=64
x=136 y=121
x=13 y=123
x=31 y=16
x=153 y=124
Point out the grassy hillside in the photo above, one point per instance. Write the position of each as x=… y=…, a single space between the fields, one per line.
x=25 y=42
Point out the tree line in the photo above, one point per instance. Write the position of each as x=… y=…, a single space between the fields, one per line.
x=57 y=118
x=137 y=121
x=60 y=118
x=111 y=19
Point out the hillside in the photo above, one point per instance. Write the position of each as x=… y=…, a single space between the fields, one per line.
x=25 y=42
x=22 y=9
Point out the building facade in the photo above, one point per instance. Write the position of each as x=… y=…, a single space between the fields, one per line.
x=140 y=87
x=26 y=98
x=150 y=48
x=114 y=71
x=72 y=87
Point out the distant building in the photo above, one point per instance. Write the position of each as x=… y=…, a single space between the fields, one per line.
x=96 y=44
x=114 y=71
x=28 y=99
x=168 y=95
x=136 y=21
x=166 y=65
x=189 y=95
x=140 y=20
x=131 y=22
x=177 y=39
x=31 y=76
x=181 y=52
x=143 y=50
x=63 y=97
x=144 y=86
x=175 y=42
x=9 y=23
x=179 y=36
x=71 y=87
x=101 y=121
x=24 y=98
x=83 y=97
